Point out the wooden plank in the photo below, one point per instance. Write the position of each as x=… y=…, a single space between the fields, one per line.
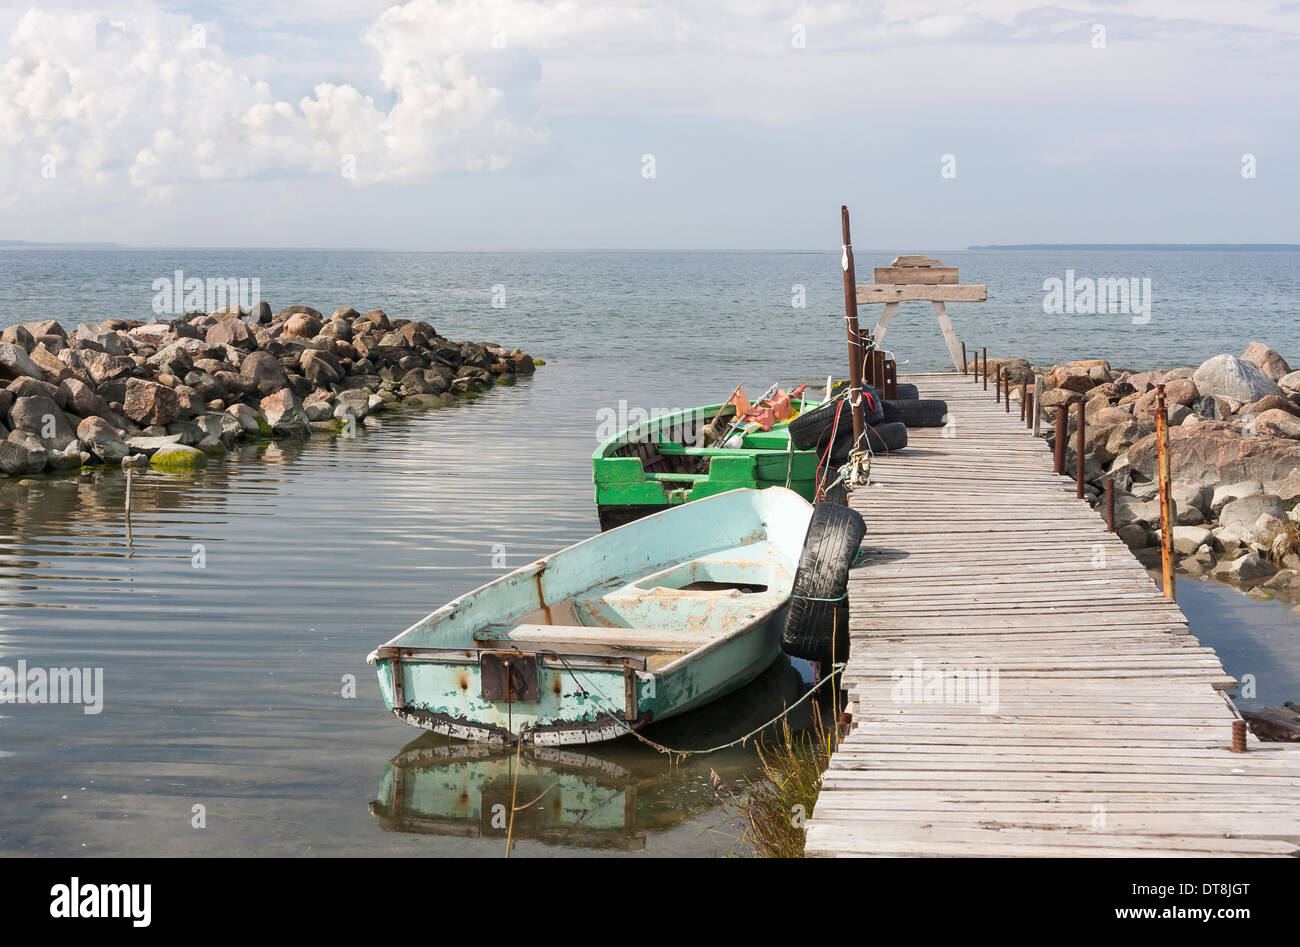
x=869 y=293
x=915 y=259
x=924 y=275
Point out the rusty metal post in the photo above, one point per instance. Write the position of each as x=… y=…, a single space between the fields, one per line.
x=851 y=326
x=1024 y=398
x=1031 y=419
x=963 y=359
x=1062 y=428
x=997 y=387
x=1166 y=495
x=986 y=369
x=1239 y=736
x=1078 y=474
x=1006 y=391
x=1110 y=504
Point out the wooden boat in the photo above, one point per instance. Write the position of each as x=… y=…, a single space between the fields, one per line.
x=637 y=624
x=651 y=466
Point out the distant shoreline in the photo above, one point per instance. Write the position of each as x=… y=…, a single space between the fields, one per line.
x=1137 y=246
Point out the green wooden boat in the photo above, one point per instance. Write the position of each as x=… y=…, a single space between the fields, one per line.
x=630 y=626
x=651 y=466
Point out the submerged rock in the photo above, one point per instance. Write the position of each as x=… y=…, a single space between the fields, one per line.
x=178 y=457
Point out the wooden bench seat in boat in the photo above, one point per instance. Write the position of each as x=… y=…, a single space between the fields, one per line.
x=598 y=637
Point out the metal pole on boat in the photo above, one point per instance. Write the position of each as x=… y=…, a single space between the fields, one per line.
x=851 y=320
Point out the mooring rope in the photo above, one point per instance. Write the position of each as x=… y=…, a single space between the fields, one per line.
x=682 y=754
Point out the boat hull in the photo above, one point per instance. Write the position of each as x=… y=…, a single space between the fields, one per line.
x=651 y=467
x=606 y=636
x=563 y=715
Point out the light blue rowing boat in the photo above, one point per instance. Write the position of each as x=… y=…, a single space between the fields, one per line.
x=633 y=625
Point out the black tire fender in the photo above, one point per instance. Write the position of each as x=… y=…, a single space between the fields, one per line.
x=816 y=621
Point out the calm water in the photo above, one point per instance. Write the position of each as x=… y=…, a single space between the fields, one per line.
x=223 y=683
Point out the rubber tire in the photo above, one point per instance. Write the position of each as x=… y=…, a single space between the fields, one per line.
x=812 y=430
x=919 y=413
x=817 y=617
x=881 y=438
x=907 y=393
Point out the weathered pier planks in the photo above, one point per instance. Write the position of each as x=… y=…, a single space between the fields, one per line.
x=1100 y=727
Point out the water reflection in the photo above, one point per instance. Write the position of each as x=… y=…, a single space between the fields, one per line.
x=609 y=796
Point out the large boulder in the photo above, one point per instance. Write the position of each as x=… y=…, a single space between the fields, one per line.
x=148 y=403
x=230 y=332
x=303 y=325
x=1247 y=568
x=1242 y=514
x=1188 y=539
x=42 y=418
x=1278 y=423
x=22 y=453
x=103 y=368
x=102 y=439
x=1216 y=452
x=176 y=458
x=80 y=398
x=320 y=368
x=1290 y=384
x=264 y=372
x=1272 y=364
x=16 y=363
x=284 y=413
x=1225 y=376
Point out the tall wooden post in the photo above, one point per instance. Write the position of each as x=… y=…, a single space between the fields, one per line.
x=1166 y=494
x=986 y=368
x=851 y=321
x=1078 y=450
x=963 y=358
x=1062 y=427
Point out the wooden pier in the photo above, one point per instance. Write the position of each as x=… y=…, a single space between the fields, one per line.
x=1101 y=728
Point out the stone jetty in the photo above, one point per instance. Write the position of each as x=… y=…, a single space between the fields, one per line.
x=1234 y=451
x=169 y=394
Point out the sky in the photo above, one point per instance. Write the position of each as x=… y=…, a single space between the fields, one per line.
x=515 y=124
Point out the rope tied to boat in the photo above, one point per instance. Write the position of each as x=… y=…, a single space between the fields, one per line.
x=682 y=754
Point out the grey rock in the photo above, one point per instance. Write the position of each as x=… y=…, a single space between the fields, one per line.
x=102 y=439
x=1226 y=376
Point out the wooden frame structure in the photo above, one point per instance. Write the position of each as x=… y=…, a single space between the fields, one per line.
x=915 y=278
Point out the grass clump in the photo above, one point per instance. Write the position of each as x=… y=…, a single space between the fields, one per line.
x=771 y=810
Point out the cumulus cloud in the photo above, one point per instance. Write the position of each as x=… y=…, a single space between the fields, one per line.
x=150 y=100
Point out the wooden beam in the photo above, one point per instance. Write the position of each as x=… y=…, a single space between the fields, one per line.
x=931 y=275
x=873 y=293
x=915 y=259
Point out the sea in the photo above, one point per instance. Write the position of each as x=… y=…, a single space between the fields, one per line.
x=231 y=617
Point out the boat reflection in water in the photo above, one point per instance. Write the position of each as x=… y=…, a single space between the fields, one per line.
x=611 y=796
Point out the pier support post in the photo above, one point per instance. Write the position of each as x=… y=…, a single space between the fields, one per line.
x=1006 y=391
x=1038 y=399
x=986 y=369
x=1062 y=427
x=963 y=358
x=1078 y=449
x=1166 y=495
x=1110 y=504
x=856 y=348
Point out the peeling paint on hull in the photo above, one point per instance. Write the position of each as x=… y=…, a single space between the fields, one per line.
x=637 y=624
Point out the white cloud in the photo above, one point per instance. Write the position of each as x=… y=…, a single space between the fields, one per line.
x=126 y=100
